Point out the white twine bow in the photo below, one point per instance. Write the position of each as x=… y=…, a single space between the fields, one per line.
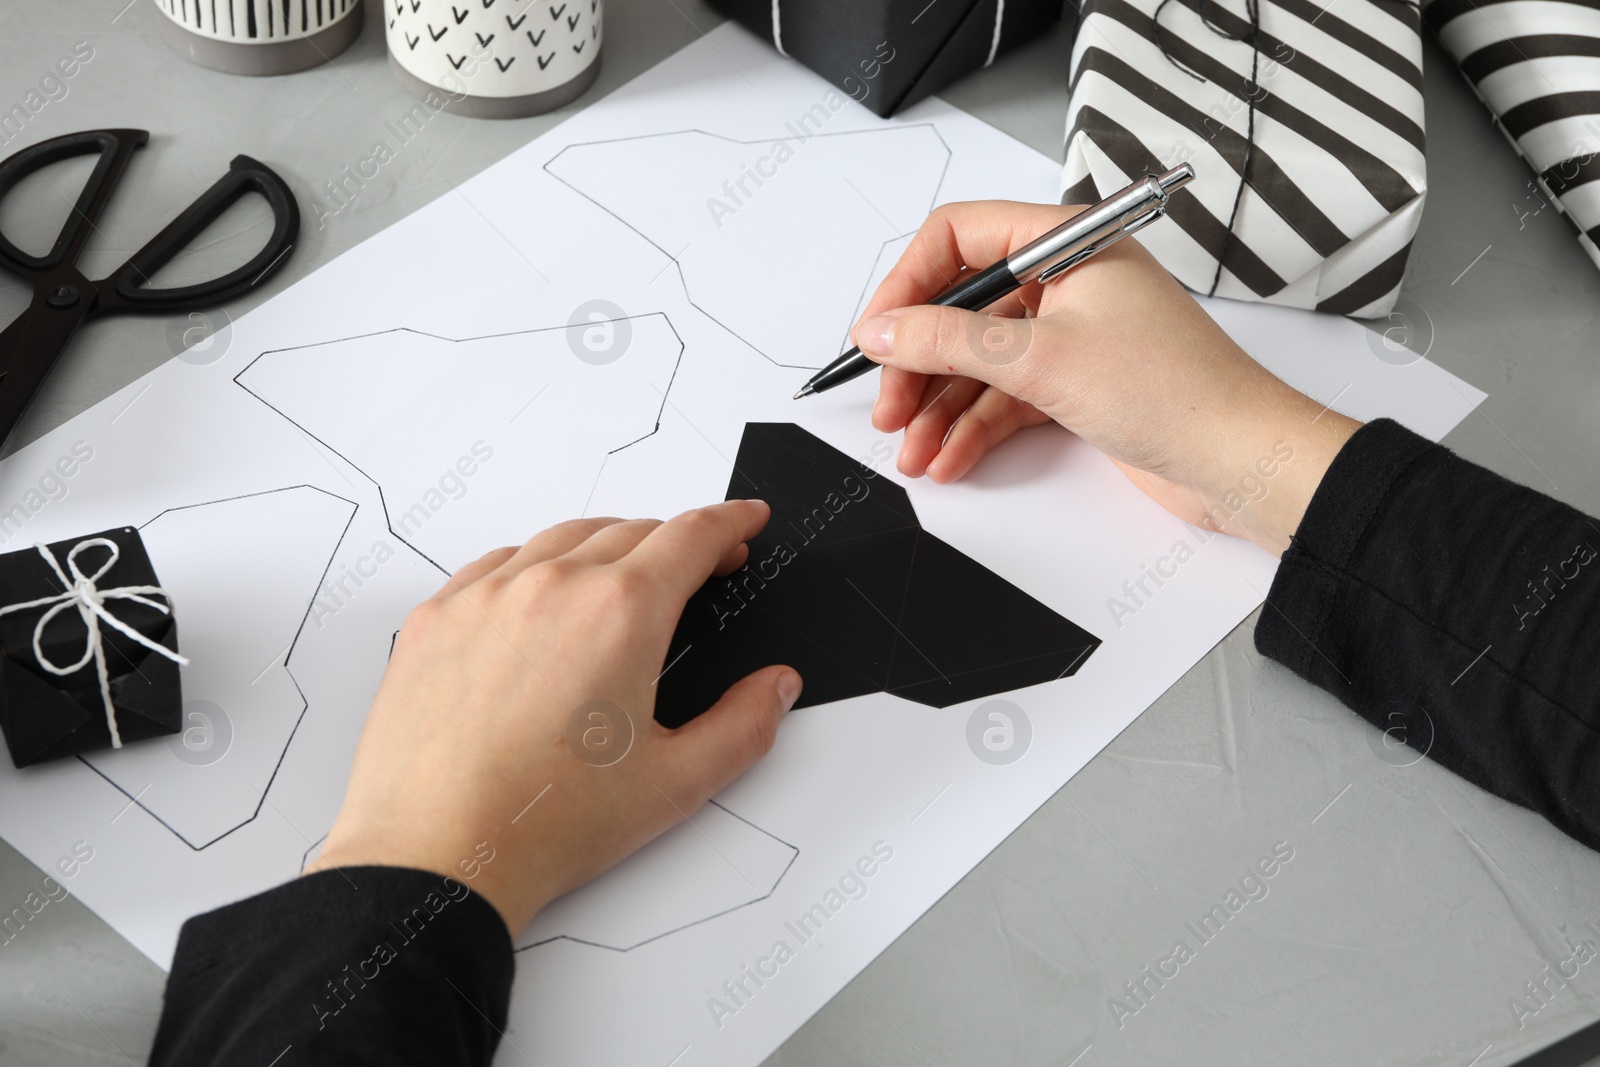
x=994 y=40
x=89 y=599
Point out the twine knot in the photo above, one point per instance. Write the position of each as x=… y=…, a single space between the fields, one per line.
x=90 y=601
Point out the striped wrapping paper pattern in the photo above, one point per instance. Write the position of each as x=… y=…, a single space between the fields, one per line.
x=256 y=20
x=1536 y=64
x=1303 y=121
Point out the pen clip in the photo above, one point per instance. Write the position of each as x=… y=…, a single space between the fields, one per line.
x=1144 y=220
x=1157 y=209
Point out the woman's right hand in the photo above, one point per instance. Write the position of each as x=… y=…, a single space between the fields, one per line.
x=1115 y=351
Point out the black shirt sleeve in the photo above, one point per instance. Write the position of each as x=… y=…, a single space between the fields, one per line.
x=1427 y=593
x=1455 y=609
x=361 y=966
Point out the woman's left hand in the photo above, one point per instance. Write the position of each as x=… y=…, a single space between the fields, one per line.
x=512 y=743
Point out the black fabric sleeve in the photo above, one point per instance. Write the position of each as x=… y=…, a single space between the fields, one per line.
x=366 y=965
x=1455 y=609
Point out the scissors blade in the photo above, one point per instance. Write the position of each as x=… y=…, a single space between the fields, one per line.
x=30 y=346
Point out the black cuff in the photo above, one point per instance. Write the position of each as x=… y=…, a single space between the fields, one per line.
x=1453 y=609
x=364 y=964
x=1311 y=574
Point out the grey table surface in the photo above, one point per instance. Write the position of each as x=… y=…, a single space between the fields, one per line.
x=1416 y=906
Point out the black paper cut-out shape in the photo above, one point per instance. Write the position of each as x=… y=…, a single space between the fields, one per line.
x=845 y=586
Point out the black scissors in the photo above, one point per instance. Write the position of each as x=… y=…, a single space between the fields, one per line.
x=63 y=299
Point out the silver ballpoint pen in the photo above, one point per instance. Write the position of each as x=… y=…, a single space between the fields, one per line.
x=1066 y=246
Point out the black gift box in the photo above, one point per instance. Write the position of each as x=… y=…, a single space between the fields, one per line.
x=888 y=54
x=46 y=716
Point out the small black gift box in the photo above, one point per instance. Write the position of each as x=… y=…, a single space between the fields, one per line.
x=888 y=54
x=45 y=616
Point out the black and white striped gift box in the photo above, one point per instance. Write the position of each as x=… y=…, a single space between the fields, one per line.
x=1304 y=124
x=1536 y=64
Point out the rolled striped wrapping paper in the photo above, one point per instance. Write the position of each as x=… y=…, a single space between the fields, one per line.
x=1536 y=64
x=1304 y=124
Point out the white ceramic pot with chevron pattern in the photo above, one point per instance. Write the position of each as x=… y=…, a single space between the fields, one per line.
x=259 y=36
x=495 y=58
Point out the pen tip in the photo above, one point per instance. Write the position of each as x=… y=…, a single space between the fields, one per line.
x=805 y=390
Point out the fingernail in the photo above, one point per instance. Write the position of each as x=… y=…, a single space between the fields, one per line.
x=788 y=688
x=875 y=335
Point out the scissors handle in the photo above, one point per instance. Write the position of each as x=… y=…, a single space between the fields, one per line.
x=115 y=148
x=63 y=299
x=124 y=290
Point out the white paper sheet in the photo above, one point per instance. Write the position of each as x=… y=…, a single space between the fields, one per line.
x=422 y=399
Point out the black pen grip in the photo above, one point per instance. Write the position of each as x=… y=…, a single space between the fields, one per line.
x=980 y=290
x=972 y=294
